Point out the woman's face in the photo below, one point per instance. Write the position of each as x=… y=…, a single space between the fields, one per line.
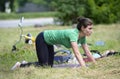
x=88 y=30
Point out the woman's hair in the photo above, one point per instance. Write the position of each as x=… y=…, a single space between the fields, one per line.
x=83 y=22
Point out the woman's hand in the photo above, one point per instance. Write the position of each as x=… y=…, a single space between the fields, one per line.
x=77 y=54
x=88 y=53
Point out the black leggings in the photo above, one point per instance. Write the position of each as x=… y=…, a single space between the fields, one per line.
x=45 y=52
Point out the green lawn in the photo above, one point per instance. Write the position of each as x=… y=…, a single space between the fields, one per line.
x=106 y=68
x=26 y=15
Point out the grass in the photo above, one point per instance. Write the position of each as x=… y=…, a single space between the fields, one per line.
x=27 y=15
x=108 y=67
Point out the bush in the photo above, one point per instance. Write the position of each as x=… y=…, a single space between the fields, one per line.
x=101 y=11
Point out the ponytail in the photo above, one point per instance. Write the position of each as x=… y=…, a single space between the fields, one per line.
x=83 y=22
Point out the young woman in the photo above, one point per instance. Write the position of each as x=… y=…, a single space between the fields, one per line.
x=70 y=38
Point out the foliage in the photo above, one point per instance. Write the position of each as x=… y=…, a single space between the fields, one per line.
x=101 y=11
x=104 y=11
x=68 y=10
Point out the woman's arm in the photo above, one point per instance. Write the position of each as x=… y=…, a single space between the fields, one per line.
x=87 y=52
x=77 y=54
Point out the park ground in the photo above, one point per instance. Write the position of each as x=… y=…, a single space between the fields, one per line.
x=106 y=68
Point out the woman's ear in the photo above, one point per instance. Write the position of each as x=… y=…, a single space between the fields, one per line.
x=82 y=28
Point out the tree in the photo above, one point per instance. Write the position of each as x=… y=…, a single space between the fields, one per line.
x=68 y=10
x=2 y=5
x=104 y=12
x=101 y=11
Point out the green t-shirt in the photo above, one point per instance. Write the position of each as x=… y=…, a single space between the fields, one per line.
x=63 y=37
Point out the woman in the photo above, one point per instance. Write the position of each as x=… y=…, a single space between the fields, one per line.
x=70 y=38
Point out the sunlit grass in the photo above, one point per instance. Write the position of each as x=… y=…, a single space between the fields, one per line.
x=106 y=68
x=27 y=15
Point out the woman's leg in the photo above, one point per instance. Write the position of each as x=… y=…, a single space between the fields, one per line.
x=43 y=51
x=51 y=55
